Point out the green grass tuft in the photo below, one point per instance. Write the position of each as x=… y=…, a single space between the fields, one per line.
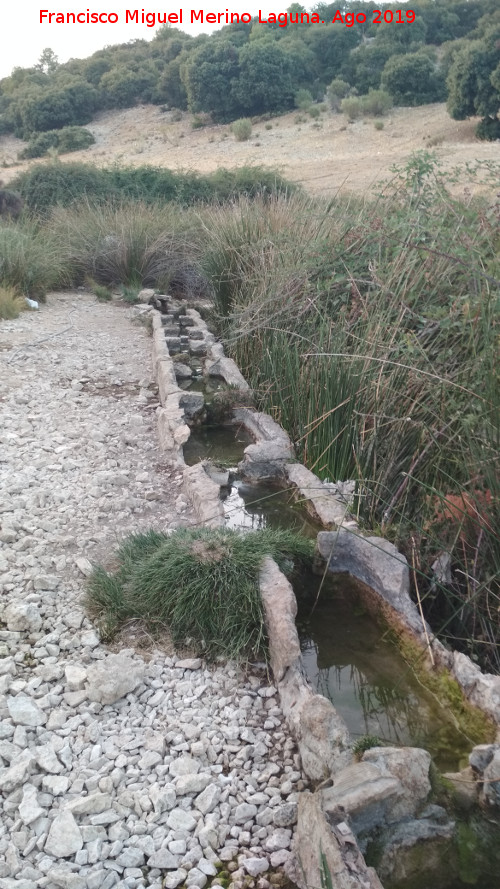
x=202 y=584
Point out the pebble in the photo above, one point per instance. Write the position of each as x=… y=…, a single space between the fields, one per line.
x=116 y=770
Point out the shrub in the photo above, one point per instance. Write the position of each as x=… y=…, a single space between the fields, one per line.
x=200 y=583
x=352 y=107
x=489 y=129
x=66 y=140
x=314 y=112
x=303 y=99
x=337 y=91
x=47 y=185
x=11 y=304
x=379 y=124
x=377 y=102
x=30 y=260
x=242 y=129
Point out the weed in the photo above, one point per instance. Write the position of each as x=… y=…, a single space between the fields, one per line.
x=242 y=129
x=202 y=583
x=11 y=304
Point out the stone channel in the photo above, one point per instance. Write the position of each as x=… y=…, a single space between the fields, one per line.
x=386 y=793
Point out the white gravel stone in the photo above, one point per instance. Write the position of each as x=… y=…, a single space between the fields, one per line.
x=23 y=616
x=64 y=837
x=114 y=677
x=29 y=810
x=24 y=711
x=256 y=866
x=120 y=761
x=179 y=819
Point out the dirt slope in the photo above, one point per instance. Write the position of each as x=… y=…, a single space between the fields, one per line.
x=322 y=155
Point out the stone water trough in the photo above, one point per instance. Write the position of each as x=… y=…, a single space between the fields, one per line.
x=386 y=793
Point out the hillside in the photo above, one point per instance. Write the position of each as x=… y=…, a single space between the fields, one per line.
x=322 y=155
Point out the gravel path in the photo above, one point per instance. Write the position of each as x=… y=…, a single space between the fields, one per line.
x=120 y=769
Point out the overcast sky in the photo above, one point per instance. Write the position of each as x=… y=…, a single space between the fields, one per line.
x=23 y=37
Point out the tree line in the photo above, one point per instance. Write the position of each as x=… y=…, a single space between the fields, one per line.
x=451 y=51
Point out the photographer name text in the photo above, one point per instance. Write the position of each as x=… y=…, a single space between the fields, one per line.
x=201 y=17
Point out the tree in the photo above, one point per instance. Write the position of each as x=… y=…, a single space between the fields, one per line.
x=266 y=80
x=413 y=79
x=209 y=76
x=48 y=61
x=473 y=80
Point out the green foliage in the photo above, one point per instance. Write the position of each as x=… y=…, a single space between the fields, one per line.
x=30 y=260
x=10 y=303
x=474 y=81
x=489 y=129
x=208 y=75
x=202 y=584
x=413 y=79
x=245 y=68
x=66 y=140
x=377 y=102
x=266 y=78
x=303 y=99
x=337 y=90
x=242 y=129
x=364 y=743
x=352 y=107
x=46 y=186
x=378 y=357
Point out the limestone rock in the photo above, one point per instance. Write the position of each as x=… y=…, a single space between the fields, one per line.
x=114 y=677
x=29 y=810
x=64 y=837
x=23 y=616
x=24 y=711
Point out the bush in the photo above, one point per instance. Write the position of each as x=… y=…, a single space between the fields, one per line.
x=11 y=304
x=303 y=99
x=337 y=91
x=352 y=107
x=30 y=260
x=379 y=124
x=242 y=129
x=200 y=583
x=377 y=102
x=314 y=112
x=48 y=185
x=489 y=129
x=65 y=141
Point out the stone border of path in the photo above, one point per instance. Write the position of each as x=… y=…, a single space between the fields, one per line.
x=321 y=734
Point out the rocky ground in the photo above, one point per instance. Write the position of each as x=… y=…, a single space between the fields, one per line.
x=137 y=768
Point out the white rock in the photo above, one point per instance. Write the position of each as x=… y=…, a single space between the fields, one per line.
x=29 y=810
x=197 y=878
x=163 y=859
x=244 y=812
x=67 y=880
x=75 y=677
x=174 y=879
x=24 y=711
x=185 y=784
x=256 y=866
x=23 y=616
x=57 y=785
x=84 y=566
x=131 y=857
x=114 y=677
x=47 y=759
x=17 y=772
x=208 y=799
x=64 y=837
x=93 y=804
x=280 y=839
x=184 y=765
x=179 y=819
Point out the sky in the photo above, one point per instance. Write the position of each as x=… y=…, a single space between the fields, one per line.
x=23 y=37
